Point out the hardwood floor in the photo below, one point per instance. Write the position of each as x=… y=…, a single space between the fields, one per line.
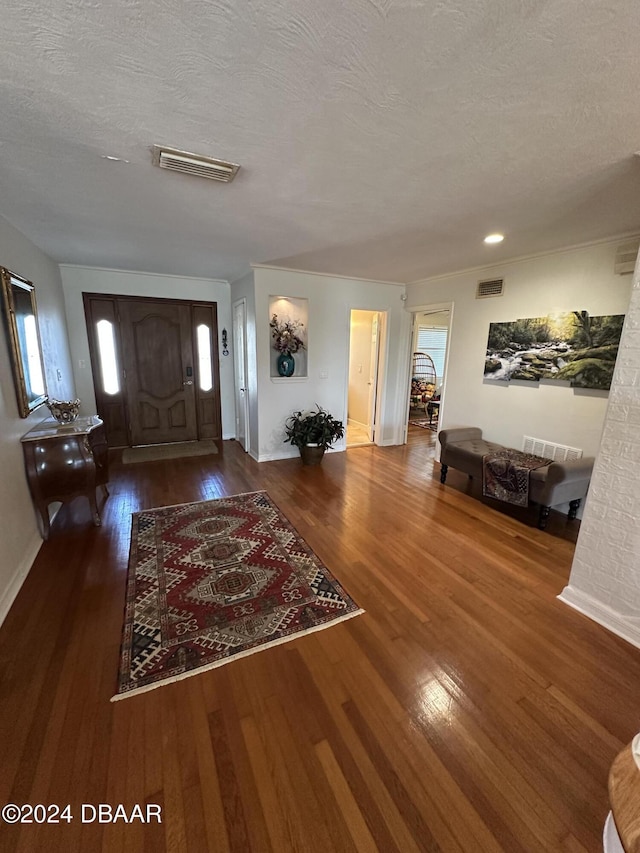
x=466 y=710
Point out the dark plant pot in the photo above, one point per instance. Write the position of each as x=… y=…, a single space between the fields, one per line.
x=286 y=364
x=311 y=455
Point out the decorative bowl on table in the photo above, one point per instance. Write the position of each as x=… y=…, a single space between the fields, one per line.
x=64 y=411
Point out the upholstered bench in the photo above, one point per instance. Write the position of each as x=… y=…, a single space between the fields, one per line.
x=464 y=448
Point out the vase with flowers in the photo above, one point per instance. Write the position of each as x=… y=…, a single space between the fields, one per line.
x=287 y=340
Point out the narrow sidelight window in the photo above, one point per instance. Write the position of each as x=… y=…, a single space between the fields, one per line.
x=205 y=368
x=35 y=380
x=107 y=355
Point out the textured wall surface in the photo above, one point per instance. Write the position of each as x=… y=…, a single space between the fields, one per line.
x=378 y=138
x=19 y=535
x=581 y=279
x=605 y=577
x=330 y=303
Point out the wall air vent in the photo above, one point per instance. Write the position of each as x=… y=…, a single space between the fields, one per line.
x=550 y=450
x=493 y=287
x=626 y=255
x=193 y=164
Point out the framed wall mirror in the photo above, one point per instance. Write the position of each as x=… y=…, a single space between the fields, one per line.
x=23 y=339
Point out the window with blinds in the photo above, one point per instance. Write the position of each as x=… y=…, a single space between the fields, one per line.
x=434 y=342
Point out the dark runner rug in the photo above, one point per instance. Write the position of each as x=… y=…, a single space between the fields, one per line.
x=214 y=581
x=505 y=475
x=178 y=450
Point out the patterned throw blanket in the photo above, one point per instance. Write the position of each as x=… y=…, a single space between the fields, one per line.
x=505 y=475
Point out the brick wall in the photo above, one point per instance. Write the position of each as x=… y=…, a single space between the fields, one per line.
x=605 y=576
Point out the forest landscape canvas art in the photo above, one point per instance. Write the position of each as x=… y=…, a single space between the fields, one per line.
x=574 y=347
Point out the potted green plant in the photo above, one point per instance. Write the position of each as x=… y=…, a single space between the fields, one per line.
x=312 y=432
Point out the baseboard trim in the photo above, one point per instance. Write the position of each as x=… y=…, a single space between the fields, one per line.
x=19 y=577
x=275 y=457
x=293 y=453
x=627 y=627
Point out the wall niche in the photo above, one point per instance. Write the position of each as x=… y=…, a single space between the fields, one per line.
x=288 y=339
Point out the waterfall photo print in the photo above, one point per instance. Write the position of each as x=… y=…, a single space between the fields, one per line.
x=573 y=347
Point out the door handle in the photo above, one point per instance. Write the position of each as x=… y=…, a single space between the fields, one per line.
x=188 y=382
x=242 y=389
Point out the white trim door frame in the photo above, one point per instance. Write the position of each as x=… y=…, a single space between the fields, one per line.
x=378 y=372
x=240 y=373
x=422 y=309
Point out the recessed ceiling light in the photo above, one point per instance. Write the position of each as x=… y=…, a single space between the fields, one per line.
x=113 y=159
x=494 y=238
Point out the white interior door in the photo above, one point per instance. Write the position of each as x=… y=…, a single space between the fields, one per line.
x=373 y=375
x=240 y=371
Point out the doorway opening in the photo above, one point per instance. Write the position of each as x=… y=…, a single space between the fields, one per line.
x=428 y=368
x=364 y=358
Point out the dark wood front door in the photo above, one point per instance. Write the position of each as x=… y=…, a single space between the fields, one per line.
x=159 y=364
x=155 y=368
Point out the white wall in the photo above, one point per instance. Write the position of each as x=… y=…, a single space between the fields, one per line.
x=605 y=576
x=360 y=366
x=577 y=279
x=18 y=528
x=331 y=299
x=77 y=279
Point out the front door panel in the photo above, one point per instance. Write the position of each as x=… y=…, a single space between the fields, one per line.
x=158 y=359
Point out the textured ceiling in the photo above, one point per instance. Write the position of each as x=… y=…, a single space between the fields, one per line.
x=377 y=138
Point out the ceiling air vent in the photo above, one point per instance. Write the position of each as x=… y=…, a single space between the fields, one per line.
x=494 y=287
x=626 y=255
x=193 y=164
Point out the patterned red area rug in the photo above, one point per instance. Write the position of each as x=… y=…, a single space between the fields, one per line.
x=214 y=581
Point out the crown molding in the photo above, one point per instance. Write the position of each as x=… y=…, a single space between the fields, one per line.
x=327 y=274
x=520 y=258
x=143 y=272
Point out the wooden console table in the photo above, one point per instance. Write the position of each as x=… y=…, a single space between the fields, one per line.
x=63 y=461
